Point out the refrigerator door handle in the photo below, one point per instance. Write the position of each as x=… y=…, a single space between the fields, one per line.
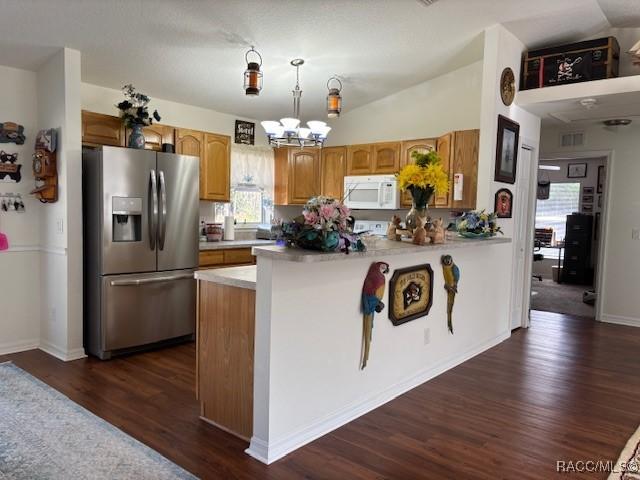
x=144 y=281
x=163 y=209
x=153 y=209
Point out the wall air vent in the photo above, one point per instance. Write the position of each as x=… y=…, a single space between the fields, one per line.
x=571 y=139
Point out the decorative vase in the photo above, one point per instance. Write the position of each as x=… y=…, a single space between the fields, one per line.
x=420 y=199
x=136 y=140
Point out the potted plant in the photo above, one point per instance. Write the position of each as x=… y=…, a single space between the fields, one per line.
x=134 y=112
x=422 y=179
x=325 y=225
x=478 y=224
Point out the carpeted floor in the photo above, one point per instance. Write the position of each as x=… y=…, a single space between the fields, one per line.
x=560 y=298
x=43 y=434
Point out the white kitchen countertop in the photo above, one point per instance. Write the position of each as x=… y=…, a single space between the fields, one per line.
x=377 y=248
x=224 y=244
x=242 y=277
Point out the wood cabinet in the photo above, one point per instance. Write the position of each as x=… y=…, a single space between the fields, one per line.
x=215 y=168
x=227 y=257
x=154 y=136
x=333 y=165
x=99 y=129
x=459 y=151
x=386 y=158
x=225 y=351
x=423 y=145
x=214 y=152
x=297 y=175
x=359 y=159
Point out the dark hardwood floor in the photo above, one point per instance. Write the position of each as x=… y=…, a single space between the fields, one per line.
x=565 y=389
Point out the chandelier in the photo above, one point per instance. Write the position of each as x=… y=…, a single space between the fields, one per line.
x=288 y=132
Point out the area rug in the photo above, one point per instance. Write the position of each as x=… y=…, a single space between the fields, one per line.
x=628 y=465
x=44 y=435
x=560 y=298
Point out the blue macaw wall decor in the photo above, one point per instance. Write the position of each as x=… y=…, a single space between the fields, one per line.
x=451 y=274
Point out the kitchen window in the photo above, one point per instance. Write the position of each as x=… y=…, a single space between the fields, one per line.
x=251 y=187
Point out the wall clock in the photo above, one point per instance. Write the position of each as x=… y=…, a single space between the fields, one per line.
x=507 y=86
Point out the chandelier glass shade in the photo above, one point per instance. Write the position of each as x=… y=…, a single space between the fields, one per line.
x=288 y=132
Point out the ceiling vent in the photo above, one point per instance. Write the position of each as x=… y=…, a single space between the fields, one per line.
x=571 y=139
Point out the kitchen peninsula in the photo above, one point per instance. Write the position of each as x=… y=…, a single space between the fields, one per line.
x=286 y=370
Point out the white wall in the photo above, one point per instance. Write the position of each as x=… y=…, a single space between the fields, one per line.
x=103 y=100
x=58 y=89
x=621 y=275
x=19 y=266
x=430 y=109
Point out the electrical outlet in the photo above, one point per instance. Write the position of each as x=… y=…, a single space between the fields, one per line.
x=427 y=336
x=59 y=226
x=635 y=234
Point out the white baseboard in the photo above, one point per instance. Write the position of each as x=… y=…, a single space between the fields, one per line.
x=269 y=452
x=64 y=355
x=22 y=346
x=619 y=320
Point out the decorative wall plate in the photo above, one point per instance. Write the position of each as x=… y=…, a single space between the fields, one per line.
x=410 y=293
x=507 y=86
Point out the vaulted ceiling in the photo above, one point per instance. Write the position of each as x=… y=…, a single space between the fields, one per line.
x=192 y=51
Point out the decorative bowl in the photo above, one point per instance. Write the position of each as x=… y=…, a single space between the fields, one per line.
x=476 y=235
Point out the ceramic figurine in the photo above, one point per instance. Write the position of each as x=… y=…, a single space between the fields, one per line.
x=437 y=231
x=451 y=274
x=372 y=295
x=419 y=233
x=392 y=230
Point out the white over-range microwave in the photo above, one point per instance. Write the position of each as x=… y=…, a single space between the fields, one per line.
x=372 y=192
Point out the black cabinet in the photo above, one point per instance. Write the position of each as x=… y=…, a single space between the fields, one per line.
x=576 y=267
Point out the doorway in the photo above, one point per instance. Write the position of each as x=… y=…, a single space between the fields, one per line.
x=570 y=202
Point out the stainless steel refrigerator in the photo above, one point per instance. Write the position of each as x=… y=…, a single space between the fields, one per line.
x=141 y=212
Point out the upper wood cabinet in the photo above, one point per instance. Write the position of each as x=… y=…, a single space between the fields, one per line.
x=99 y=129
x=464 y=161
x=297 y=175
x=386 y=157
x=359 y=159
x=215 y=168
x=423 y=145
x=154 y=136
x=333 y=165
x=189 y=142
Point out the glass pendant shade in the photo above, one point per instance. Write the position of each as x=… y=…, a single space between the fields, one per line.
x=270 y=126
x=304 y=132
x=334 y=103
x=252 y=75
x=324 y=132
x=290 y=124
x=316 y=126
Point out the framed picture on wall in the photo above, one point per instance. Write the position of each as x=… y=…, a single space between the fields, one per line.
x=507 y=150
x=587 y=199
x=577 y=170
x=602 y=178
x=503 y=203
x=587 y=190
x=410 y=293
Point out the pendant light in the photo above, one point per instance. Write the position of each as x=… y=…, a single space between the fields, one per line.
x=334 y=100
x=253 y=75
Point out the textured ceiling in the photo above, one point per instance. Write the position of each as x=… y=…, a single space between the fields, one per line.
x=192 y=51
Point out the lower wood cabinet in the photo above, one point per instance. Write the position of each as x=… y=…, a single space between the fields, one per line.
x=225 y=257
x=225 y=354
x=297 y=175
x=333 y=165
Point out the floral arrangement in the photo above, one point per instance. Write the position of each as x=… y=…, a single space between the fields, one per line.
x=478 y=224
x=134 y=111
x=425 y=176
x=325 y=224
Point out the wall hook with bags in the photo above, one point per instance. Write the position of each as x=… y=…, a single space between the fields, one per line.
x=11 y=202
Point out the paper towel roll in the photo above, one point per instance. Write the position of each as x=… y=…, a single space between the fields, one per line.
x=229 y=228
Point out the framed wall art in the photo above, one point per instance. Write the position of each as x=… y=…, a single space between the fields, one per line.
x=507 y=150
x=503 y=203
x=587 y=190
x=245 y=132
x=410 y=293
x=577 y=170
